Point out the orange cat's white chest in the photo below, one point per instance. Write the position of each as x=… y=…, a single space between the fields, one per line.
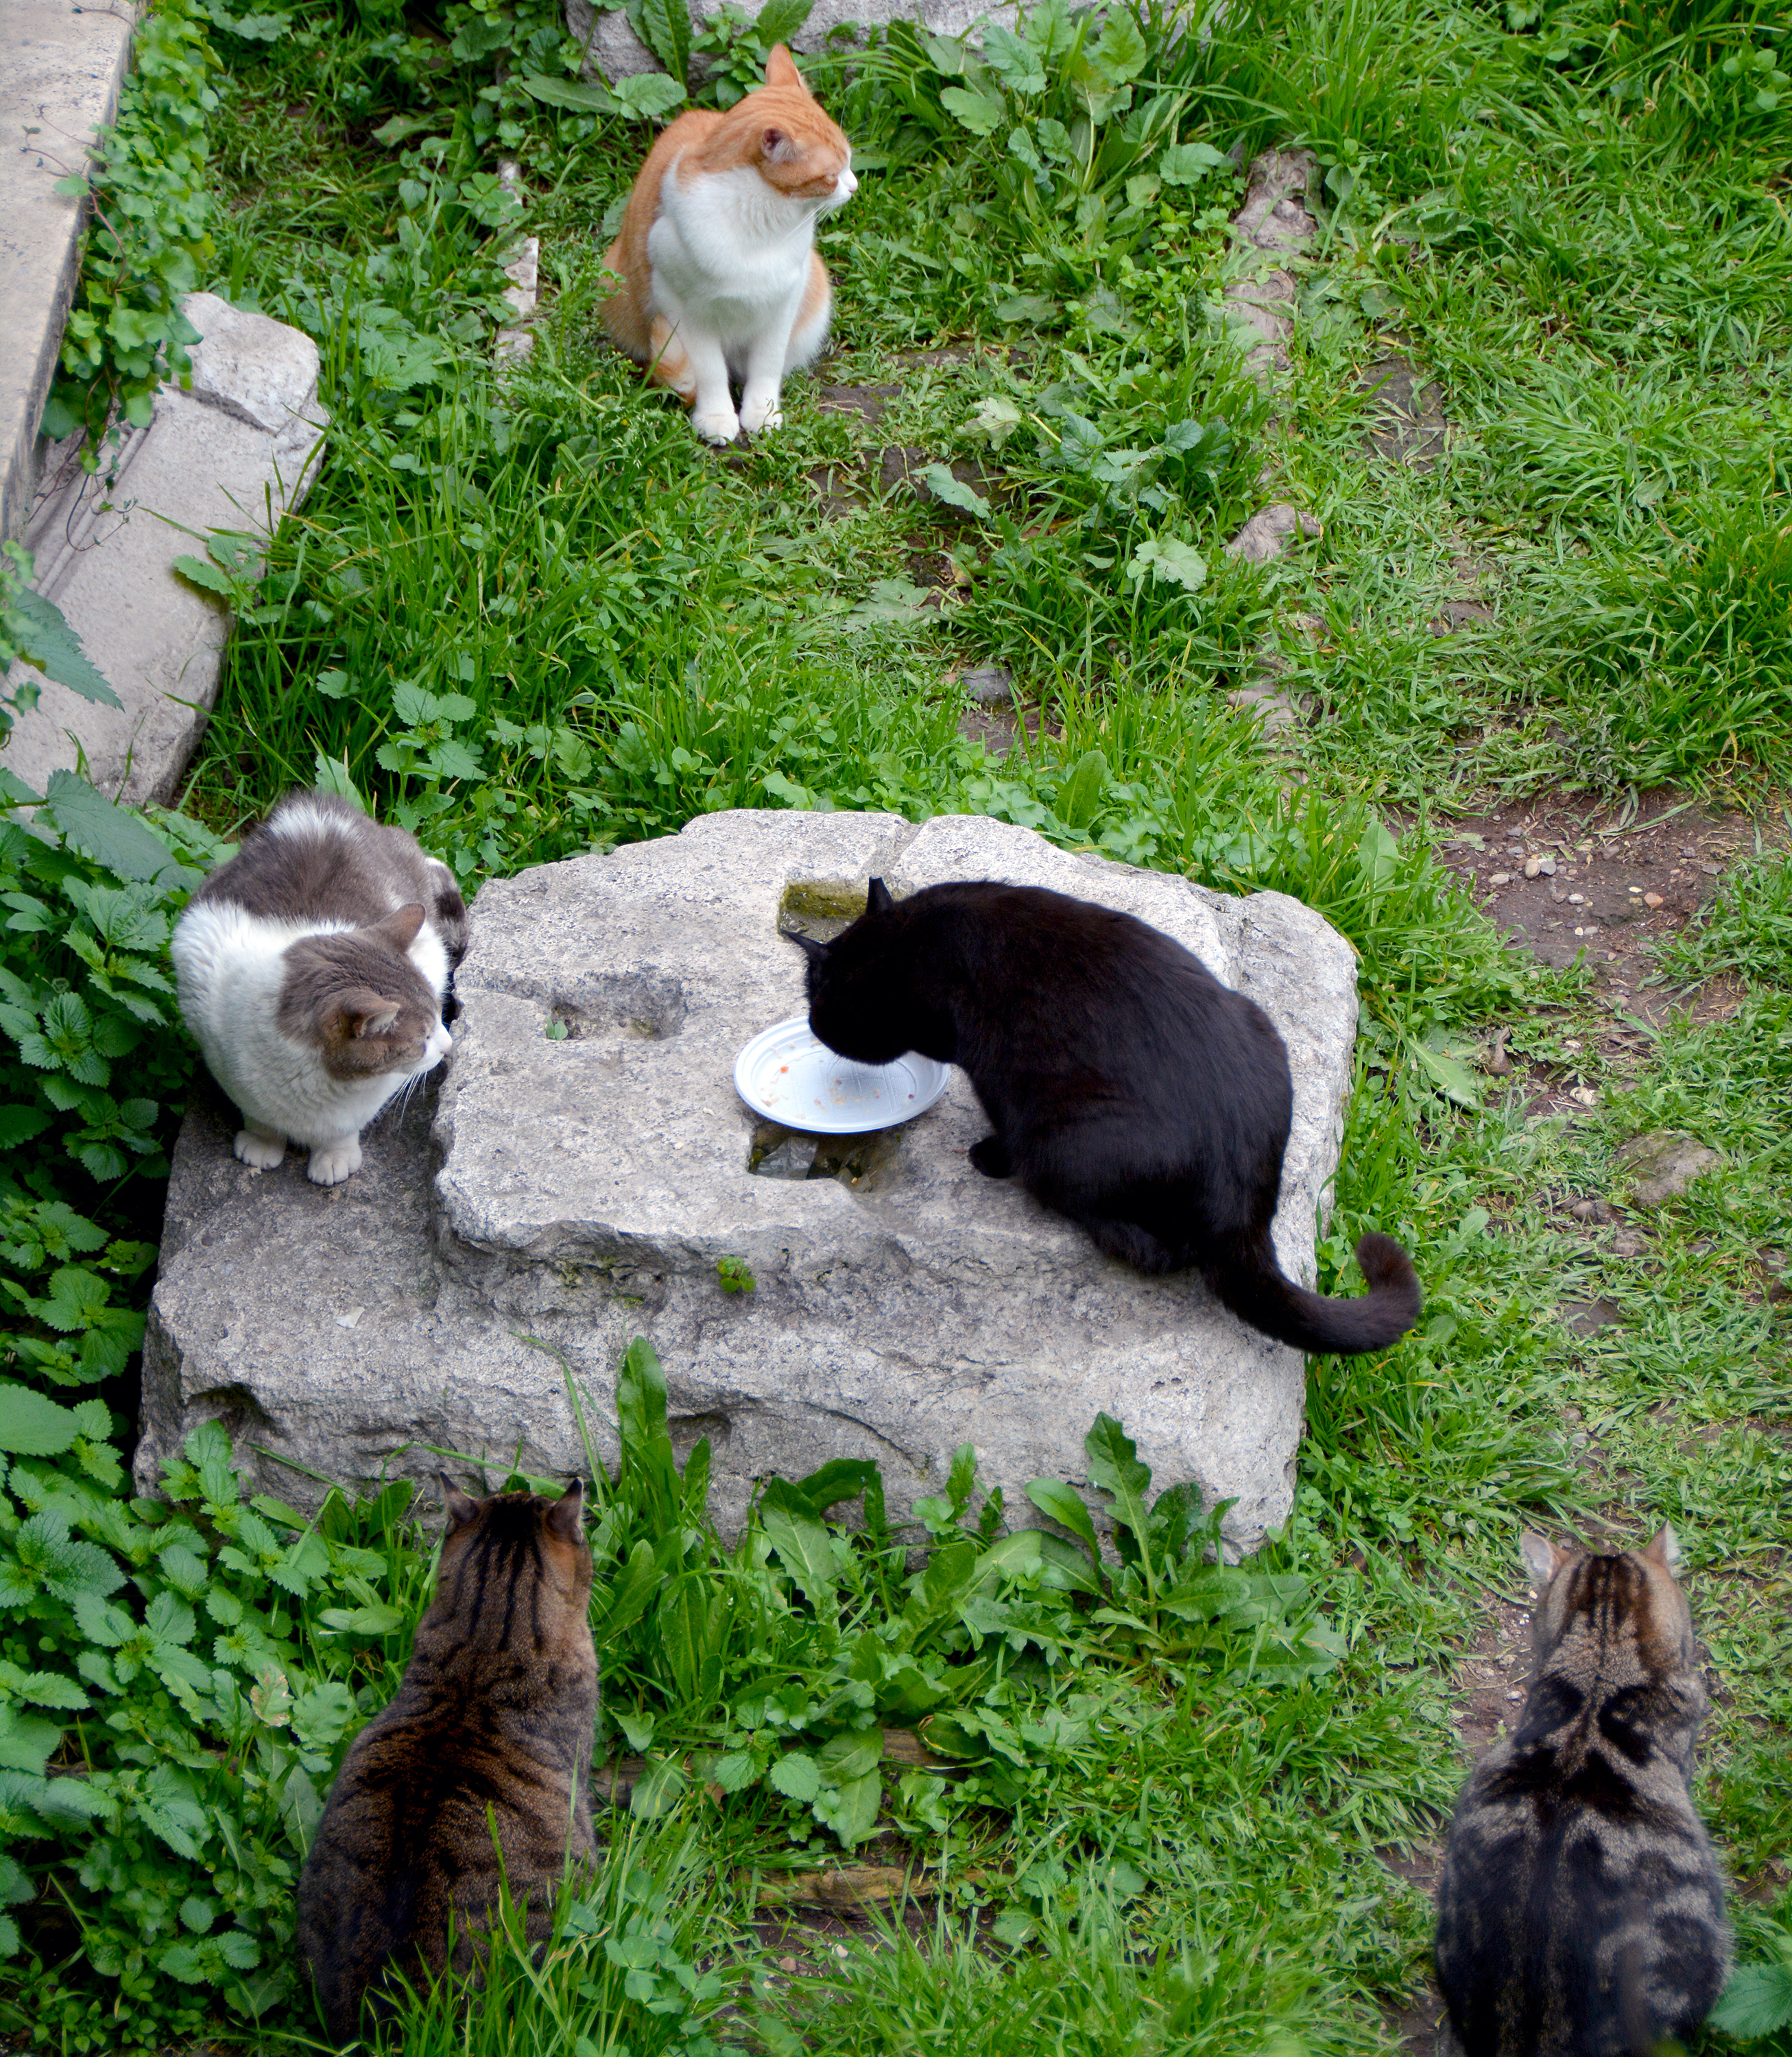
x=730 y=236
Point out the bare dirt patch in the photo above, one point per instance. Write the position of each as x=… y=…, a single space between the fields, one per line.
x=1570 y=879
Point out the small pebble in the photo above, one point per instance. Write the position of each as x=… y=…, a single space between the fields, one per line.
x=1577 y=900
x=1651 y=900
x=1501 y=878
x=1532 y=866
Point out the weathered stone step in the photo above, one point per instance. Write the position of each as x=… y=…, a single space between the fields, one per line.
x=579 y=1189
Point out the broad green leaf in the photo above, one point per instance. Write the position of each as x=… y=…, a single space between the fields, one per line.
x=841 y=1478
x=777 y=21
x=974 y=110
x=29 y=1745
x=1119 y=53
x=1080 y=796
x=640 y=1406
x=1035 y=309
x=113 y=836
x=198 y=572
x=1184 y=163
x=664 y=26
x=634 y=1587
x=1051 y=29
x=55 y=649
x=648 y=95
x=389 y=134
x=1447 y=1073
x=954 y=492
x=1114 y=1466
x=948 y=55
x=851 y=1810
x=332 y=774
x=801 y=1543
x=1053 y=1497
x=31 y=1426
x=794 y=1774
x=1378 y=853
x=50 y=1689
x=1758 y=2000
x=734 y=1770
x=1168 y=562
x=994 y=422
x=573 y=93
x=376 y=1619
x=1014 y=62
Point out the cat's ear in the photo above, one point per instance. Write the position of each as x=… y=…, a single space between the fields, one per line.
x=400 y=927
x=777 y=147
x=566 y=1517
x=806 y=944
x=1541 y=1557
x=780 y=68
x=361 y=1013
x=1663 y=1549
x=462 y=1508
x=878 y=899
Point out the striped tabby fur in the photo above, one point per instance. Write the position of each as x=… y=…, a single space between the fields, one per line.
x=496 y=1712
x=1580 y=1910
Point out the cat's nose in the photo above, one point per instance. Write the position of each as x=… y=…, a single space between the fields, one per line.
x=847 y=186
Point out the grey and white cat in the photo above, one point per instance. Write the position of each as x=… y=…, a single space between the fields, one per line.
x=1580 y=1907
x=312 y=969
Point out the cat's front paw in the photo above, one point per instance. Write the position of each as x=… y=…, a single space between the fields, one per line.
x=332 y=1162
x=716 y=426
x=261 y=1150
x=991 y=1158
x=757 y=416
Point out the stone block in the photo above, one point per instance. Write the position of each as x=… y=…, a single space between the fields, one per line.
x=613 y=50
x=235 y=452
x=592 y=1164
x=61 y=68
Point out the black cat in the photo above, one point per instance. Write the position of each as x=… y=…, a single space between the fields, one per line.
x=1129 y=1088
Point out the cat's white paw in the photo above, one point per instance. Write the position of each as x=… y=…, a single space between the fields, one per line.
x=259 y=1150
x=332 y=1162
x=717 y=427
x=757 y=416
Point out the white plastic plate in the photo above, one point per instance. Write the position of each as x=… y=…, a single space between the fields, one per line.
x=785 y=1074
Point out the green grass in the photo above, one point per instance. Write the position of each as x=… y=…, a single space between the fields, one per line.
x=528 y=616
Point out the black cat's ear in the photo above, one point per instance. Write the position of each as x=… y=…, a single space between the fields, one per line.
x=813 y=950
x=566 y=1517
x=462 y=1508
x=877 y=900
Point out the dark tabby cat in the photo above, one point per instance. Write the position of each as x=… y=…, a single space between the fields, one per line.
x=312 y=969
x=1127 y=1087
x=1580 y=1909
x=496 y=1712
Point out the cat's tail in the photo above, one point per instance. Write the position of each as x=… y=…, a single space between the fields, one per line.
x=1250 y=1282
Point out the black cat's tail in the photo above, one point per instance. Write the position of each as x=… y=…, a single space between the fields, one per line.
x=1253 y=1286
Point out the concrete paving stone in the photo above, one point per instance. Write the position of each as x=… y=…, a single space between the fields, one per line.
x=233 y=453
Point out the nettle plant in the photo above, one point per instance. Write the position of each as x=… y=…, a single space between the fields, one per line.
x=172 y=1700
x=91 y=892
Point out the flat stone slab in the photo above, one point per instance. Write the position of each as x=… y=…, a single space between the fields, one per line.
x=587 y=1182
x=233 y=453
x=61 y=68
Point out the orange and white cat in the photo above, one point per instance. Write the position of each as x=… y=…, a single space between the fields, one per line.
x=720 y=276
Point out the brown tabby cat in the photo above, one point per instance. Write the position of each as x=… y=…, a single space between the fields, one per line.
x=1580 y=1909
x=493 y=1723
